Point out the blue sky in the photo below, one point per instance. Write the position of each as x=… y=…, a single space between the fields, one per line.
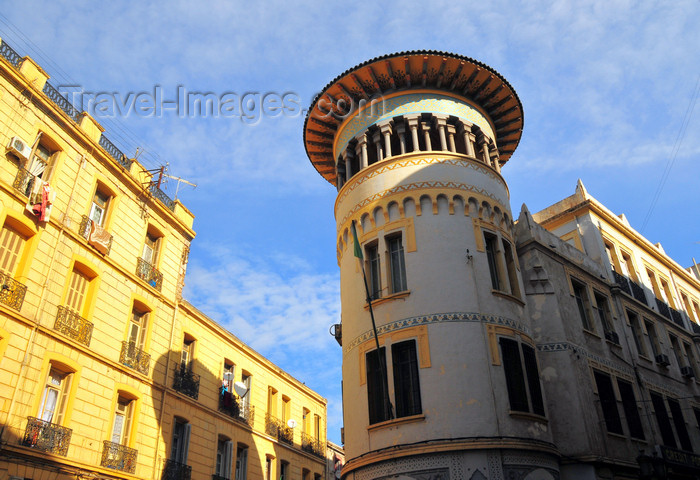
x=605 y=86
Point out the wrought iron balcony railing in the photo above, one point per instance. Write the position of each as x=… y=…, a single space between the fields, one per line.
x=621 y=281
x=114 y=152
x=186 y=382
x=76 y=327
x=134 y=357
x=663 y=308
x=161 y=195
x=277 y=428
x=312 y=445
x=10 y=55
x=47 y=437
x=231 y=405
x=11 y=292
x=176 y=471
x=630 y=287
x=638 y=292
x=24 y=181
x=149 y=273
x=119 y=457
x=695 y=328
x=96 y=236
x=61 y=102
x=677 y=317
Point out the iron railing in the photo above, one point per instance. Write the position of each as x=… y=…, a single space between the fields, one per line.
x=24 y=181
x=695 y=328
x=160 y=195
x=173 y=470
x=73 y=325
x=663 y=308
x=312 y=445
x=677 y=317
x=149 y=273
x=61 y=102
x=630 y=287
x=10 y=55
x=638 y=292
x=186 y=382
x=119 y=457
x=11 y=292
x=277 y=428
x=47 y=437
x=231 y=405
x=114 y=152
x=621 y=281
x=85 y=228
x=134 y=357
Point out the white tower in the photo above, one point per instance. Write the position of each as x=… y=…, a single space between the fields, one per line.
x=415 y=143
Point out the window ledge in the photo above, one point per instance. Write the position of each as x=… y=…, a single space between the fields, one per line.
x=613 y=344
x=396 y=421
x=621 y=436
x=393 y=296
x=591 y=333
x=508 y=296
x=528 y=416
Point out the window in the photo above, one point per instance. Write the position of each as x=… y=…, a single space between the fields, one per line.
x=666 y=293
x=11 y=243
x=286 y=409
x=679 y=424
x=98 y=209
x=629 y=406
x=138 y=324
x=227 y=377
x=246 y=380
x=224 y=453
x=653 y=337
x=397 y=265
x=637 y=333
x=662 y=420
x=121 y=426
x=306 y=421
x=602 y=308
x=626 y=266
x=406 y=385
x=55 y=396
x=272 y=401
x=582 y=302
x=523 y=384
x=181 y=441
x=608 y=403
x=510 y=267
x=284 y=470
x=151 y=248
x=77 y=288
x=375 y=283
x=241 y=462
x=317 y=427
x=268 y=467
x=378 y=411
x=675 y=346
x=42 y=161
x=690 y=354
x=491 y=246
x=187 y=356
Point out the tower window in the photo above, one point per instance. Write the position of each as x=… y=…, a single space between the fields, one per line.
x=397 y=264
x=406 y=385
x=523 y=384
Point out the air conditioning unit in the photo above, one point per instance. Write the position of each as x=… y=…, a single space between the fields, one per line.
x=612 y=337
x=663 y=360
x=19 y=147
x=687 y=372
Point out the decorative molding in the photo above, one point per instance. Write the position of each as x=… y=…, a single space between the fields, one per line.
x=438 y=318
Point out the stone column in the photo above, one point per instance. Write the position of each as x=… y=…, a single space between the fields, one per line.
x=377 y=140
x=451 y=131
x=361 y=150
x=441 y=123
x=348 y=155
x=385 y=129
x=425 y=127
x=465 y=129
x=413 y=121
x=401 y=132
x=484 y=149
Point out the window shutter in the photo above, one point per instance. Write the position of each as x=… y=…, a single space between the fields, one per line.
x=679 y=423
x=662 y=419
x=228 y=455
x=76 y=291
x=608 y=404
x=65 y=392
x=129 y=416
x=185 y=445
x=533 y=380
x=10 y=245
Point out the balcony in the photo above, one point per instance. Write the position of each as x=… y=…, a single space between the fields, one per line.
x=95 y=235
x=311 y=445
x=11 y=292
x=24 y=181
x=134 y=357
x=630 y=287
x=638 y=292
x=160 y=195
x=277 y=428
x=61 y=102
x=119 y=457
x=176 y=471
x=114 y=152
x=47 y=437
x=621 y=281
x=677 y=317
x=232 y=406
x=73 y=325
x=149 y=273
x=186 y=382
x=10 y=55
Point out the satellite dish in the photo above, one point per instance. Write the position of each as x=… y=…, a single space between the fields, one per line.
x=292 y=423
x=240 y=388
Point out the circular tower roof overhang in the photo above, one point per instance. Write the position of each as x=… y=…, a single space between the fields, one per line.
x=456 y=75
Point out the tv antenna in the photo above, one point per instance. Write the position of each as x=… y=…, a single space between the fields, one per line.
x=161 y=175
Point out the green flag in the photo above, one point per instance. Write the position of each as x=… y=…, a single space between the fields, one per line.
x=358 y=249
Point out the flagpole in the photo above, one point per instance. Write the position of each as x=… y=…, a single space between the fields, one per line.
x=388 y=408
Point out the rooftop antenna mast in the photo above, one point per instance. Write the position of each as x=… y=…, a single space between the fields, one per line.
x=179 y=180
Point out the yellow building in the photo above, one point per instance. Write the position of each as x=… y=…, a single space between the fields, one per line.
x=105 y=372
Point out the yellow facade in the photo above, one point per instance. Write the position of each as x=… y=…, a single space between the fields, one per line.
x=93 y=378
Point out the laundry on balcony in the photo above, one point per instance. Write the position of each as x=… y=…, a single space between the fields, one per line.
x=40 y=200
x=99 y=238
